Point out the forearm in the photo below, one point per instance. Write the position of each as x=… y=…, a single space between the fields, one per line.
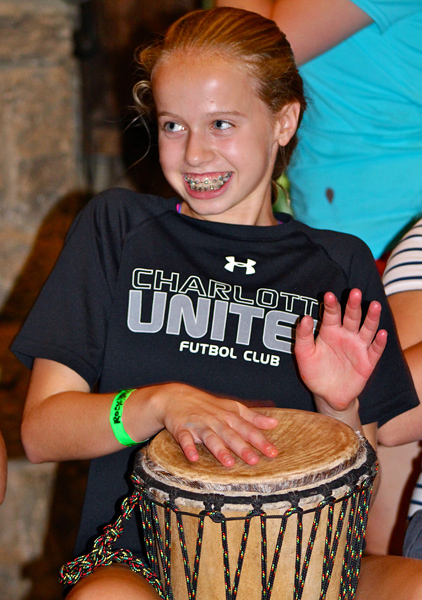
x=407 y=427
x=262 y=7
x=76 y=425
x=311 y=26
x=413 y=356
x=403 y=429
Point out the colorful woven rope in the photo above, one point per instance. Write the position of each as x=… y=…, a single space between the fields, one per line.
x=352 y=509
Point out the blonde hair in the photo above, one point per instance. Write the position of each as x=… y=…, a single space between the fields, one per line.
x=252 y=40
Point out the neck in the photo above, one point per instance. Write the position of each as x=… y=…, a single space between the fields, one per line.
x=238 y=216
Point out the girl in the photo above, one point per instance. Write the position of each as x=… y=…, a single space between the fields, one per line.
x=190 y=305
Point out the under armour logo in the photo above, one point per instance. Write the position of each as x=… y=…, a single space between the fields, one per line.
x=248 y=265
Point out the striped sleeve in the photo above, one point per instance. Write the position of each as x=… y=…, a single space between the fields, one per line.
x=416 y=501
x=403 y=272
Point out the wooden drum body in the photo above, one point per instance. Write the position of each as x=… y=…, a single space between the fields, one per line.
x=287 y=528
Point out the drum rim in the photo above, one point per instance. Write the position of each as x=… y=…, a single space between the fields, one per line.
x=360 y=477
x=167 y=463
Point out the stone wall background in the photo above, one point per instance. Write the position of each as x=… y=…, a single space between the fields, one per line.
x=40 y=166
x=39 y=123
x=62 y=96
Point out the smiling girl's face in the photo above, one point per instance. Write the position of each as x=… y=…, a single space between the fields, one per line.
x=217 y=139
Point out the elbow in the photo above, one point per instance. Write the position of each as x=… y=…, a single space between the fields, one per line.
x=399 y=431
x=402 y=429
x=388 y=437
x=31 y=443
x=391 y=434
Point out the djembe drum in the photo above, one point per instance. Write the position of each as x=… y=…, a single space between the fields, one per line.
x=287 y=528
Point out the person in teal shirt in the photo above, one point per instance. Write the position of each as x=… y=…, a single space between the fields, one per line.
x=358 y=165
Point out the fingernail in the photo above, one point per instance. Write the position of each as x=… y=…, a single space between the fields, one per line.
x=250 y=457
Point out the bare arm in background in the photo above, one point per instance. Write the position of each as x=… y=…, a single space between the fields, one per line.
x=311 y=26
x=407 y=311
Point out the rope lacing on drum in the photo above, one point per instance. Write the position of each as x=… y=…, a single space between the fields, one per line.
x=267 y=584
x=361 y=499
x=191 y=576
x=300 y=570
x=214 y=503
x=257 y=503
x=332 y=538
x=231 y=591
x=159 y=546
x=102 y=553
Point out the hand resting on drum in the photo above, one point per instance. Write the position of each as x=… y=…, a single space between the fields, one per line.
x=225 y=427
x=336 y=364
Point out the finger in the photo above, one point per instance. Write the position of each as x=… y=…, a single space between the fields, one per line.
x=377 y=347
x=332 y=311
x=187 y=443
x=210 y=439
x=242 y=442
x=247 y=431
x=353 y=311
x=371 y=322
x=304 y=339
x=256 y=418
x=219 y=449
x=262 y=443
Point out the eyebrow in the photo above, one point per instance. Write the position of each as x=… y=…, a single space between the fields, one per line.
x=226 y=113
x=234 y=113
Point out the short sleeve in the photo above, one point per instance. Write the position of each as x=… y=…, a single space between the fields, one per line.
x=403 y=272
x=68 y=322
x=386 y=13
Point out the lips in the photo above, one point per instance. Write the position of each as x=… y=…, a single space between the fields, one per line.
x=206 y=183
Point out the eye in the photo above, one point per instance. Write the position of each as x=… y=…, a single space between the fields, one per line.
x=172 y=126
x=222 y=125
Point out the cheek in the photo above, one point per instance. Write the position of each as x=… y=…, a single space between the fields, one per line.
x=233 y=150
x=171 y=150
x=166 y=154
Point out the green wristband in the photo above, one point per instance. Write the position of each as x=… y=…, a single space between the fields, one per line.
x=116 y=418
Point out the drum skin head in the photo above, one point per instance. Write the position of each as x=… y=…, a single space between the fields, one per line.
x=311 y=448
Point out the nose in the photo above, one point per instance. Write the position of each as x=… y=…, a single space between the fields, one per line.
x=198 y=150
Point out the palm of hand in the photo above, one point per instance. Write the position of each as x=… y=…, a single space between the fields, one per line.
x=337 y=364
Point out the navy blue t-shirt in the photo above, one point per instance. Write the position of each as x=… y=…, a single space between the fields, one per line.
x=142 y=295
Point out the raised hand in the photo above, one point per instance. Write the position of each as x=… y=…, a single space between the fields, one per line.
x=337 y=364
x=225 y=427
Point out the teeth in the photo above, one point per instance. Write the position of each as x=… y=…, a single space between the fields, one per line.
x=207 y=185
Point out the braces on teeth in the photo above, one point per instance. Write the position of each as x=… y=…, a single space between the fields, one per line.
x=207 y=184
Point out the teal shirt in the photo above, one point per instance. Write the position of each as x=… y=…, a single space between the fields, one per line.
x=358 y=166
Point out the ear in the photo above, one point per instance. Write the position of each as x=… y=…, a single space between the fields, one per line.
x=287 y=121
